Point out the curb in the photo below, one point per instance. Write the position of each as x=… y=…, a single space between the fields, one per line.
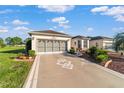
x=35 y=78
x=30 y=77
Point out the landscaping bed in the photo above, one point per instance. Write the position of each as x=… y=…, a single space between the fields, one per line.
x=12 y=73
x=117 y=63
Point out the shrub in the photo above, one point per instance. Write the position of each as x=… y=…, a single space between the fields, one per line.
x=19 y=54
x=3 y=45
x=31 y=53
x=28 y=45
x=101 y=52
x=92 y=51
x=102 y=58
x=72 y=50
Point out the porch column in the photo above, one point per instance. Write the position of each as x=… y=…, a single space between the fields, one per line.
x=68 y=44
x=34 y=43
x=82 y=44
x=87 y=43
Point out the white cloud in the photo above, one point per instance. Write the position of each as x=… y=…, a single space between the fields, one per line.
x=99 y=9
x=6 y=11
x=21 y=28
x=89 y=29
x=19 y=22
x=64 y=26
x=62 y=22
x=119 y=18
x=54 y=27
x=59 y=19
x=5 y=22
x=62 y=31
x=57 y=8
x=3 y=29
x=118 y=29
x=116 y=12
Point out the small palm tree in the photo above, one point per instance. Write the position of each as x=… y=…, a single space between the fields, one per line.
x=119 y=41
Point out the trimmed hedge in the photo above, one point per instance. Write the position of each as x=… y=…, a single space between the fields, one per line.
x=98 y=54
x=31 y=53
x=72 y=50
x=92 y=51
x=102 y=58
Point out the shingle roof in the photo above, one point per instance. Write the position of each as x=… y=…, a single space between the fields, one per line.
x=49 y=32
x=101 y=37
x=81 y=37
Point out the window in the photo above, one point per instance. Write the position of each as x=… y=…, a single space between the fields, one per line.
x=108 y=46
x=97 y=44
x=85 y=43
x=75 y=43
x=79 y=43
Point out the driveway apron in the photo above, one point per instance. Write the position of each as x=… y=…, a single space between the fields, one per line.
x=84 y=74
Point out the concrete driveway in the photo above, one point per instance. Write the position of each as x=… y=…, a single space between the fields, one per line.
x=83 y=75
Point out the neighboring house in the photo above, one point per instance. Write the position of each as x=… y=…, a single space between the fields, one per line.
x=49 y=41
x=102 y=42
x=80 y=42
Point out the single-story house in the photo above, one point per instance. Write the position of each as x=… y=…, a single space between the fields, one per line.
x=49 y=41
x=102 y=42
x=80 y=42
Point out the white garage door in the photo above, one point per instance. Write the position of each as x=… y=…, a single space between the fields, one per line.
x=51 y=45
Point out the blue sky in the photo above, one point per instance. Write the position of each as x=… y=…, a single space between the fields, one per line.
x=74 y=20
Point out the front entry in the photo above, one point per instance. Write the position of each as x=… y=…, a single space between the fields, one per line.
x=51 y=45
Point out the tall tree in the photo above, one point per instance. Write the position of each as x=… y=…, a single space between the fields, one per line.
x=16 y=41
x=8 y=40
x=26 y=40
x=119 y=41
x=2 y=42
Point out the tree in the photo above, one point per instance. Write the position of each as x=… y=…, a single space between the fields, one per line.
x=16 y=41
x=2 y=43
x=8 y=40
x=119 y=41
x=26 y=40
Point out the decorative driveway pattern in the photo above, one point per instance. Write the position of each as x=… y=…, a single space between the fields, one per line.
x=83 y=74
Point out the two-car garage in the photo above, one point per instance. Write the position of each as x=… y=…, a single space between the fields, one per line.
x=49 y=41
x=51 y=45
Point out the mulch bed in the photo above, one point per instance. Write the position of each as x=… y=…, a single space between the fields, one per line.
x=117 y=61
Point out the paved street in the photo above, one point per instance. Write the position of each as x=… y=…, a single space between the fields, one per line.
x=83 y=74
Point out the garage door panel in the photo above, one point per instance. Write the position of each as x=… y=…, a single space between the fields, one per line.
x=41 y=45
x=63 y=46
x=56 y=45
x=49 y=45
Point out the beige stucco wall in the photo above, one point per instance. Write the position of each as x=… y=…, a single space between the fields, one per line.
x=101 y=43
x=73 y=43
x=107 y=41
x=35 y=37
x=82 y=43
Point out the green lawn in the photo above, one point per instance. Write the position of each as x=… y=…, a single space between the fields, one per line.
x=12 y=73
